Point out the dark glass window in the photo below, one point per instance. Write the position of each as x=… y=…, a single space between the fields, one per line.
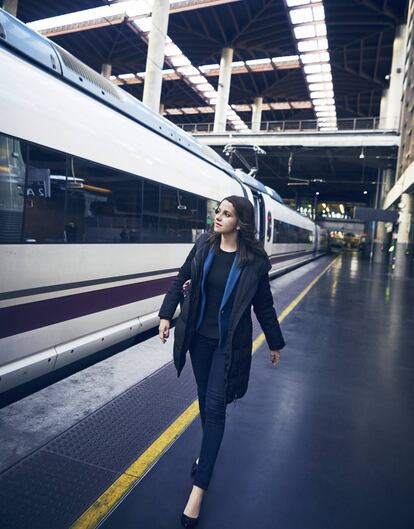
x=151 y=211
x=102 y=204
x=51 y=197
x=12 y=184
x=44 y=215
x=288 y=233
x=182 y=216
x=275 y=230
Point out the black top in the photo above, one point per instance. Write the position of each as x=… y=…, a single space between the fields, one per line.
x=214 y=288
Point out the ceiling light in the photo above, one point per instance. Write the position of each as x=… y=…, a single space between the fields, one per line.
x=322 y=94
x=305 y=32
x=319 y=77
x=171 y=49
x=188 y=70
x=301 y=16
x=286 y=58
x=318 y=13
x=254 y=62
x=294 y=3
x=144 y=24
x=180 y=60
x=362 y=154
x=207 y=67
x=126 y=76
x=197 y=79
x=320 y=30
x=313 y=45
x=325 y=114
x=309 y=58
x=320 y=86
x=210 y=94
x=204 y=87
x=324 y=102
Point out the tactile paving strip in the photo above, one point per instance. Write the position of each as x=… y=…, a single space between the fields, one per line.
x=52 y=487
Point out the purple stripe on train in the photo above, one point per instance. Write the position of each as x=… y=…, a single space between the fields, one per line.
x=38 y=314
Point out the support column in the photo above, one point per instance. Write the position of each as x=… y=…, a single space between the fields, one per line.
x=106 y=70
x=162 y=108
x=11 y=6
x=223 y=90
x=155 y=56
x=381 y=240
x=257 y=114
x=405 y=246
x=390 y=110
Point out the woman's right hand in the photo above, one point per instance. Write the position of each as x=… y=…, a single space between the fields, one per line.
x=186 y=286
x=164 y=330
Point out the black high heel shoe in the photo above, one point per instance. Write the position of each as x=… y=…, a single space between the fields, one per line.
x=188 y=522
x=194 y=468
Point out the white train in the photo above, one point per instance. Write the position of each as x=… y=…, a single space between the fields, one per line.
x=100 y=201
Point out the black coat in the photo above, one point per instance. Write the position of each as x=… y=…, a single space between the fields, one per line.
x=252 y=288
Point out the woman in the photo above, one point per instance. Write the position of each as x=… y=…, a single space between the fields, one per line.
x=225 y=273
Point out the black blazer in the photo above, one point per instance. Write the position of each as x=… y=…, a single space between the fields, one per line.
x=252 y=289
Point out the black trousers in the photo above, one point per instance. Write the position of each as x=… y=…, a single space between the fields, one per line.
x=208 y=365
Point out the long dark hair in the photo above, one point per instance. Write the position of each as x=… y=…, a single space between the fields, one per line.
x=247 y=244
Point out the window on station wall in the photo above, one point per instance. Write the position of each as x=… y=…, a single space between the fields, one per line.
x=103 y=205
x=12 y=186
x=44 y=215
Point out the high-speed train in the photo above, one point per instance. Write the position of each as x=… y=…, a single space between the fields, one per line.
x=100 y=202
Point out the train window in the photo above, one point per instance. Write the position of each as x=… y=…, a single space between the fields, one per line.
x=102 y=204
x=275 y=231
x=51 y=197
x=182 y=216
x=12 y=186
x=284 y=233
x=44 y=216
x=150 y=211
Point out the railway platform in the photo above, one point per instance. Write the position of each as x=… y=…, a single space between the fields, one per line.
x=322 y=441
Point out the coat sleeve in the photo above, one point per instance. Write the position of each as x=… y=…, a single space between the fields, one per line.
x=173 y=295
x=266 y=314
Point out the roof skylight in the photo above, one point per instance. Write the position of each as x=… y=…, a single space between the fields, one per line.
x=309 y=28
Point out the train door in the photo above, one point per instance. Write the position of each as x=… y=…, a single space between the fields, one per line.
x=259 y=210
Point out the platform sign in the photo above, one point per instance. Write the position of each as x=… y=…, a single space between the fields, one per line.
x=372 y=214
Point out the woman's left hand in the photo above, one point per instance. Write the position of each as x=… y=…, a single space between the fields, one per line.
x=275 y=357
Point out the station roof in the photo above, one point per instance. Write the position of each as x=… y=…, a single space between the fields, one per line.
x=360 y=35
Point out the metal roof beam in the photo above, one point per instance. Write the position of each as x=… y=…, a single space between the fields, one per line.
x=281 y=105
x=239 y=67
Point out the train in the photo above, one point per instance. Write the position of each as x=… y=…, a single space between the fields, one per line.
x=101 y=200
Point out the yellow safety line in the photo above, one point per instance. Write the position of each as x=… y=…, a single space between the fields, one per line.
x=107 y=501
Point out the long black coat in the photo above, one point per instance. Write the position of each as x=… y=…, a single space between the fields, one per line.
x=252 y=288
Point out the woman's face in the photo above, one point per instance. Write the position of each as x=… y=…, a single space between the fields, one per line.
x=225 y=220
